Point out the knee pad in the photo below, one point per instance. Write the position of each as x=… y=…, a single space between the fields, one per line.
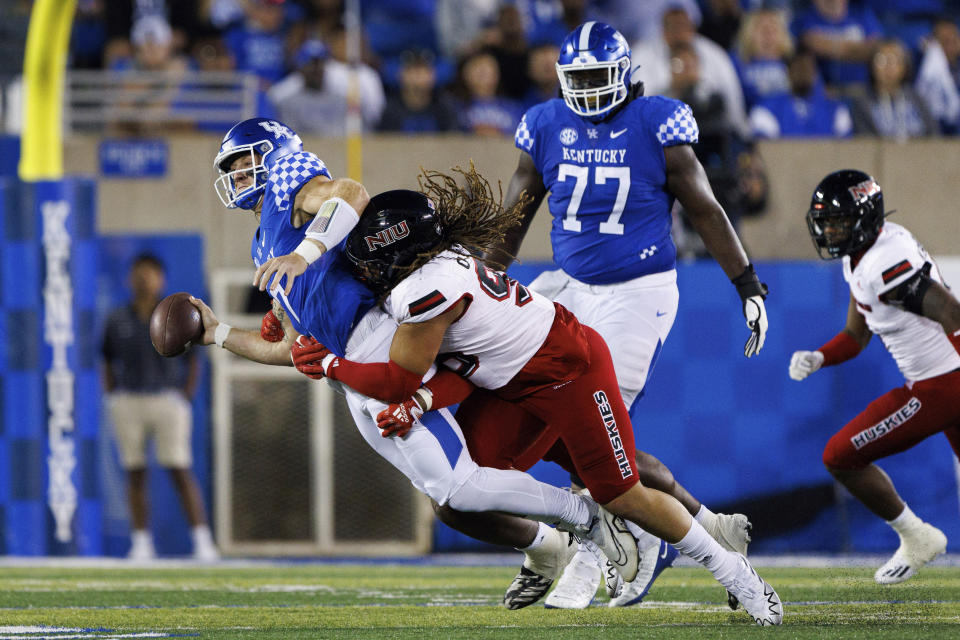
x=840 y=454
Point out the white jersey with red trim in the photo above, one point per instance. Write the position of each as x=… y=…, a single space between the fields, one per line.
x=503 y=326
x=919 y=345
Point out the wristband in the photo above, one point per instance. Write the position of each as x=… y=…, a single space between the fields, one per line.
x=308 y=251
x=334 y=221
x=326 y=362
x=220 y=335
x=748 y=284
x=424 y=398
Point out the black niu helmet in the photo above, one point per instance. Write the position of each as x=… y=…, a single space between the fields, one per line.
x=846 y=213
x=394 y=228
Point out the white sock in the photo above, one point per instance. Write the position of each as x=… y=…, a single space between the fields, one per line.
x=707 y=518
x=141 y=537
x=538 y=540
x=201 y=536
x=698 y=544
x=905 y=521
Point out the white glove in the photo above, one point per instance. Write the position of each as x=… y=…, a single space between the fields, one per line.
x=803 y=363
x=756 y=316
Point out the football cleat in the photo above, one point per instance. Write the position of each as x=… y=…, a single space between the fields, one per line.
x=613 y=538
x=732 y=531
x=921 y=545
x=540 y=568
x=653 y=560
x=578 y=585
x=756 y=595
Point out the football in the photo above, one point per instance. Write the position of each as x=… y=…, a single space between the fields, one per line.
x=175 y=324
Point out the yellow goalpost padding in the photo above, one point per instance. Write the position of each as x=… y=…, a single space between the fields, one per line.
x=44 y=67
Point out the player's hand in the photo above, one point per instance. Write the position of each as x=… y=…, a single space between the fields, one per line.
x=311 y=358
x=270 y=328
x=289 y=266
x=398 y=419
x=209 y=319
x=755 y=313
x=803 y=363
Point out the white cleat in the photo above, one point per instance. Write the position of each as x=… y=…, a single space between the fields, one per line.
x=540 y=568
x=142 y=551
x=918 y=547
x=732 y=531
x=613 y=538
x=756 y=595
x=578 y=585
x=206 y=553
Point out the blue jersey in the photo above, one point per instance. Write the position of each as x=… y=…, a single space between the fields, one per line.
x=326 y=301
x=607 y=183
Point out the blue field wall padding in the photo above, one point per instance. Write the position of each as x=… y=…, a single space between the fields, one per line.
x=57 y=281
x=742 y=436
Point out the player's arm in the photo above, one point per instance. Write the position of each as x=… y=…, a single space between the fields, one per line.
x=526 y=183
x=245 y=343
x=687 y=181
x=842 y=347
x=924 y=296
x=333 y=208
x=414 y=348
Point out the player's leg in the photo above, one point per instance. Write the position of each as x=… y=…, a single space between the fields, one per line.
x=890 y=424
x=128 y=415
x=595 y=427
x=174 y=424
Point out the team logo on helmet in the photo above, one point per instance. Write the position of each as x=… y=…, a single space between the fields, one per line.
x=865 y=189
x=568 y=136
x=277 y=129
x=387 y=236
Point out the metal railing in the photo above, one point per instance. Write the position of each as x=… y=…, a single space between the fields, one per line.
x=98 y=100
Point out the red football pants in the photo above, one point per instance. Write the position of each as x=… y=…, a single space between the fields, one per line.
x=898 y=420
x=584 y=412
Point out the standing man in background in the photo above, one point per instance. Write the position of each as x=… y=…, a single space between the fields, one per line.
x=614 y=162
x=149 y=397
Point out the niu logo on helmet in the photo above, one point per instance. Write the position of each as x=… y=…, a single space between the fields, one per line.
x=387 y=236
x=865 y=189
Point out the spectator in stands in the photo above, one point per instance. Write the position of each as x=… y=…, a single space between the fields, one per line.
x=716 y=68
x=326 y=23
x=552 y=23
x=260 y=40
x=542 y=74
x=892 y=109
x=88 y=35
x=640 y=21
x=153 y=47
x=842 y=38
x=460 y=24
x=806 y=112
x=122 y=15
x=722 y=20
x=417 y=107
x=148 y=398
x=763 y=46
x=507 y=42
x=938 y=81
x=314 y=98
x=484 y=110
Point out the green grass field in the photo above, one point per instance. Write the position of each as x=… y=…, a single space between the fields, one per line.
x=435 y=603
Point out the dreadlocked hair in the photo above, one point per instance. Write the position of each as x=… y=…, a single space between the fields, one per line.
x=472 y=216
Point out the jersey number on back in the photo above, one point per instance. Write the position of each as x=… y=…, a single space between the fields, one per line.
x=612 y=224
x=497 y=285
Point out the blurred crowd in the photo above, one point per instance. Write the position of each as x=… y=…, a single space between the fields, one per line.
x=748 y=68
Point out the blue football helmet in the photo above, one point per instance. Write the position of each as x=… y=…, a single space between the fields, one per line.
x=593 y=66
x=266 y=141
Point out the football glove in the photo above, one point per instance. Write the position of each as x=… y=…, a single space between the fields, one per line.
x=803 y=363
x=398 y=419
x=752 y=293
x=270 y=328
x=311 y=358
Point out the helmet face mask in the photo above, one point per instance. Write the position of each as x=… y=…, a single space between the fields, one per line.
x=593 y=66
x=266 y=141
x=846 y=214
x=395 y=229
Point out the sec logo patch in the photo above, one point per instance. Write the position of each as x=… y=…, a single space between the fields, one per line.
x=568 y=136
